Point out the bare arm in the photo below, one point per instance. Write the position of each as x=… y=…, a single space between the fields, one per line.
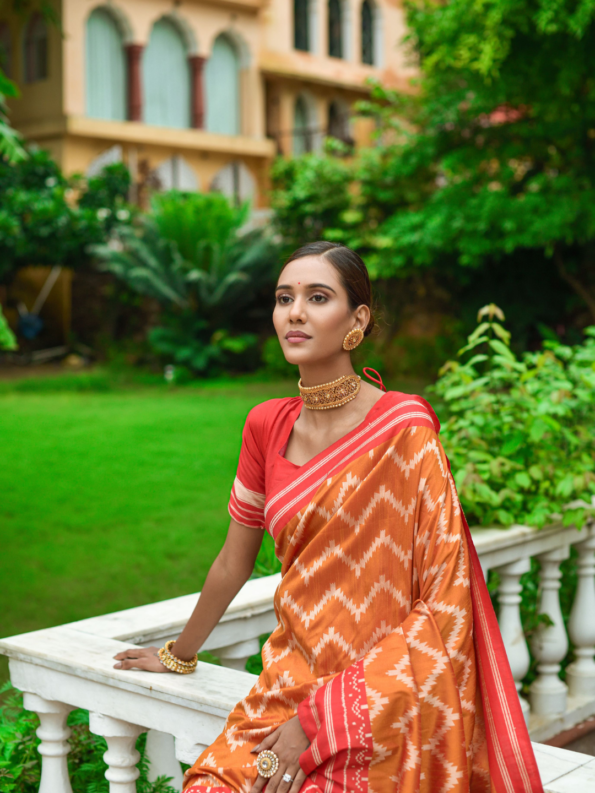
x=228 y=574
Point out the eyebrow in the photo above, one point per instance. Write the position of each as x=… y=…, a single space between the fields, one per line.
x=310 y=286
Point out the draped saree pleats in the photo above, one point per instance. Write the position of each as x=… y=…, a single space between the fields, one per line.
x=387 y=648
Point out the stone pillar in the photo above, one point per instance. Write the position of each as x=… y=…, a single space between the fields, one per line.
x=510 y=622
x=197 y=63
x=235 y=655
x=581 y=627
x=54 y=746
x=550 y=643
x=135 y=95
x=121 y=756
x=161 y=754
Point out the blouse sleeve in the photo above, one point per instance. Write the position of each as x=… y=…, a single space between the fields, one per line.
x=246 y=504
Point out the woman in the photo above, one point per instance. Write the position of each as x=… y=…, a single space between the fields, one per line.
x=386 y=671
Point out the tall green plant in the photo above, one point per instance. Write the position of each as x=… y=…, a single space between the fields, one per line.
x=519 y=430
x=195 y=220
x=215 y=298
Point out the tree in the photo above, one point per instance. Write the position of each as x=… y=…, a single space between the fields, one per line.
x=493 y=155
x=46 y=219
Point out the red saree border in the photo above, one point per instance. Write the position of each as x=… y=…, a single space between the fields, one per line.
x=300 y=490
x=513 y=766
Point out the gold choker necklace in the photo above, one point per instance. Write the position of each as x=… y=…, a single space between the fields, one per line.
x=331 y=395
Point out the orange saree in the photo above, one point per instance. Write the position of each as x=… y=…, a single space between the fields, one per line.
x=387 y=648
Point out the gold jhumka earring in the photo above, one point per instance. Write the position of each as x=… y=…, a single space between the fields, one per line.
x=353 y=339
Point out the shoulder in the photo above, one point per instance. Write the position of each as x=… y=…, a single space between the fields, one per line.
x=263 y=417
x=413 y=408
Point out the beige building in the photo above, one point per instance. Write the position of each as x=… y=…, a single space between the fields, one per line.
x=198 y=94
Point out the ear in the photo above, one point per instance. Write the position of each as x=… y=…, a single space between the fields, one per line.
x=362 y=317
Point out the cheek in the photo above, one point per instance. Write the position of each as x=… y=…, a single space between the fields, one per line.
x=277 y=318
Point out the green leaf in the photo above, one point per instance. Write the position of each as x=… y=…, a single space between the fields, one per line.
x=565 y=486
x=512 y=443
x=523 y=479
x=536 y=472
x=502 y=349
x=538 y=429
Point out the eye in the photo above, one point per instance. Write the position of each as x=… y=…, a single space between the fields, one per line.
x=283 y=299
x=319 y=298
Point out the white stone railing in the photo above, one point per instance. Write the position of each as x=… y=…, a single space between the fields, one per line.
x=71 y=666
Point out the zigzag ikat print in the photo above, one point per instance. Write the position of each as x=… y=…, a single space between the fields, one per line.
x=374 y=647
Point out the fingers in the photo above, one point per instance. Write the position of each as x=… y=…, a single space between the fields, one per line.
x=135 y=652
x=298 y=780
x=267 y=743
x=258 y=785
x=278 y=785
x=148 y=661
x=131 y=663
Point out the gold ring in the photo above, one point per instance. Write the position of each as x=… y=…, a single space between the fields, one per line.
x=267 y=764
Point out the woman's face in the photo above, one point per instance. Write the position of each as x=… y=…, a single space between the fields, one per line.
x=312 y=313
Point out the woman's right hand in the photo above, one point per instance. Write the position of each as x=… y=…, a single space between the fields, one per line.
x=140 y=658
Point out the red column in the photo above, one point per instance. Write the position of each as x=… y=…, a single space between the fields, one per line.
x=197 y=90
x=135 y=95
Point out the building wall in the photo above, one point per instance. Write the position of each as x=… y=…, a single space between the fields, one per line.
x=273 y=74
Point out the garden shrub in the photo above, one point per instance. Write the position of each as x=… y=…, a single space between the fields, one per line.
x=519 y=430
x=47 y=219
x=213 y=282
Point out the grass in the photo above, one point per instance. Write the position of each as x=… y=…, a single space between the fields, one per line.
x=112 y=495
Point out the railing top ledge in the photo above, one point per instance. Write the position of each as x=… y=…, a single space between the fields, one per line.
x=63 y=649
x=171 y=615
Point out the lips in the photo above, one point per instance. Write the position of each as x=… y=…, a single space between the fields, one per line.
x=296 y=336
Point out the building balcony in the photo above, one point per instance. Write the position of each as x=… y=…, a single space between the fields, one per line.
x=71 y=666
x=139 y=133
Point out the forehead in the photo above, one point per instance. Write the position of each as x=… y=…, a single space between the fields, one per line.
x=310 y=270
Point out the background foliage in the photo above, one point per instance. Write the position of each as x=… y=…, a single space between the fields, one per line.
x=46 y=219
x=519 y=430
x=481 y=184
x=212 y=279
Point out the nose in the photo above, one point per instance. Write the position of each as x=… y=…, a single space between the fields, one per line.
x=297 y=312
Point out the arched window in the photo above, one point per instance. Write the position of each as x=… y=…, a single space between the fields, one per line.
x=236 y=182
x=302 y=128
x=105 y=68
x=166 y=77
x=5 y=49
x=335 y=29
x=36 y=49
x=301 y=25
x=176 y=174
x=367 y=33
x=338 y=126
x=222 y=87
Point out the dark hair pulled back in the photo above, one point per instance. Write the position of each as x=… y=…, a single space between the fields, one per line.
x=353 y=273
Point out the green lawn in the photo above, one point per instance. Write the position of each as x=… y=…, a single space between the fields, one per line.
x=113 y=496
x=111 y=500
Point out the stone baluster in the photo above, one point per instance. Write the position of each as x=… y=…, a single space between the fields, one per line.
x=581 y=627
x=121 y=756
x=161 y=754
x=511 y=627
x=235 y=655
x=54 y=746
x=550 y=643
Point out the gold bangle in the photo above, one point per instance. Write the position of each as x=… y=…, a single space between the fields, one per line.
x=174 y=664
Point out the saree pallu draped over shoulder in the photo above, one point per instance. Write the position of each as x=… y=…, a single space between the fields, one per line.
x=387 y=647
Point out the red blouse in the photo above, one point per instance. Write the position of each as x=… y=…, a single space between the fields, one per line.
x=268 y=489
